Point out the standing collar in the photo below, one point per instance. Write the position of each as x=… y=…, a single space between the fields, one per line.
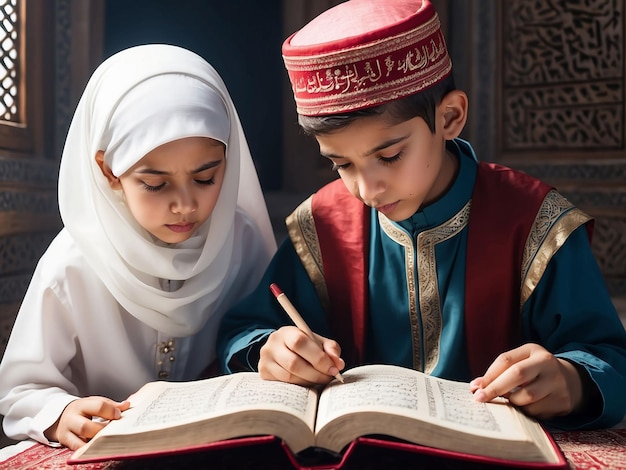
x=455 y=198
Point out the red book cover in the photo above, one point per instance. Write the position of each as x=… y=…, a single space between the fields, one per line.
x=598 y=449
x=363 y=453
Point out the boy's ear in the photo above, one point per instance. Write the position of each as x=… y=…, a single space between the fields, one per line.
x=453 y=108
x=113 y=180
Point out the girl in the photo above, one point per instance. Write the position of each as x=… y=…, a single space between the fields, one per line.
x=164 y=228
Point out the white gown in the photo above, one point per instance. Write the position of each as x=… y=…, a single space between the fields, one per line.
x=72 y=339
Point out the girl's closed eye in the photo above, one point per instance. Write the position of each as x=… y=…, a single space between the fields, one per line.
x=159 y=187
x=209 y=181
x=151 y=188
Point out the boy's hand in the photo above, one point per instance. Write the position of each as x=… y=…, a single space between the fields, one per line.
x=532 y=378
x=75 y=426
x=289 y=355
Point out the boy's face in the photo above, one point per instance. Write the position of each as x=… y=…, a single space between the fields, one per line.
x=395 y=168
x=173 y=189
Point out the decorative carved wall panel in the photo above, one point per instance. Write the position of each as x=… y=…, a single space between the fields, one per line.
x=28 y=221
x=561 y=109
x=563 y=75
x=63 y=103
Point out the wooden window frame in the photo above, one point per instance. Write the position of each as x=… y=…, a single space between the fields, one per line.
x=32 y=134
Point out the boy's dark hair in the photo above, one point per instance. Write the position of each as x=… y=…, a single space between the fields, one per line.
x=421 y=104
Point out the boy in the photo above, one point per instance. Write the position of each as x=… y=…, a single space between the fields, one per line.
x=420 y=255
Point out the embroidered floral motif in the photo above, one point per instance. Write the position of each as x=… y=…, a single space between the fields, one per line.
x=165 y=358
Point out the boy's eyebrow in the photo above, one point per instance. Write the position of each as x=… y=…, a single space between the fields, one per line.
x=201 y=168
x=378 y=148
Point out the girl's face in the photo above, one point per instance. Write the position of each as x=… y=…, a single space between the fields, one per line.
x=173 y=189
x=395 y=168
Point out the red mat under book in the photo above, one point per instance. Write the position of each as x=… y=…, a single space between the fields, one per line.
x=602 y=449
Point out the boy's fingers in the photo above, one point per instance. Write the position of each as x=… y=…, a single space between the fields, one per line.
x=476 y=384
x=503 y=362
x=333 y=350
x=294 y=369
x=311 y=350
x=287 y=357
x=291 y=356
x=319 y=361
x=272 y=370
x=502 y=386
x=506 y=373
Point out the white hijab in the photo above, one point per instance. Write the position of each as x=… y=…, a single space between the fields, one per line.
x=136 y=100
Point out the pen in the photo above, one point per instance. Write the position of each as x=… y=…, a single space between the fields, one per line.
x=296 y=317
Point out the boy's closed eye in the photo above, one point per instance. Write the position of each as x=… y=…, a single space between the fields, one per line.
x=383 y=160
x=390 y=160
x=337 y=167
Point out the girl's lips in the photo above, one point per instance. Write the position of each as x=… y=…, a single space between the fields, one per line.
x=387 y=208
x=181 y=228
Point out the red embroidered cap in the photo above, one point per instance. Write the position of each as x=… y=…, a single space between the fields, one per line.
x=363 y=53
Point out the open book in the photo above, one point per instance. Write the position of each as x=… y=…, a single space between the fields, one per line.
x=374 y=400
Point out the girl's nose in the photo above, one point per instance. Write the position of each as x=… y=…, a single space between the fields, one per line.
x=185 y=203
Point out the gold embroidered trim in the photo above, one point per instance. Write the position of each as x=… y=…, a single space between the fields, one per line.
x=403 y=238
x=378 y=95
x=556 y=220
x=429 y=301
x=301 y=230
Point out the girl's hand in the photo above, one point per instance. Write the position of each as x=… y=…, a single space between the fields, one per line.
x=75 y=426
x=289 y=355
x=532 y=378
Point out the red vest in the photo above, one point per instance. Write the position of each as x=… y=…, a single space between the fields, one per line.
x=504 y=205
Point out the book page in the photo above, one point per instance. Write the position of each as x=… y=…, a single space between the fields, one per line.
x=164 y=404
x=409 y=393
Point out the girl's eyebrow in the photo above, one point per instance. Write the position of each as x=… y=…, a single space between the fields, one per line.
x=208 y=166
x=378 y=148
x=200 y=169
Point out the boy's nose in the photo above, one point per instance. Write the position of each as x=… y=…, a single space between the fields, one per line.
x=369 y=187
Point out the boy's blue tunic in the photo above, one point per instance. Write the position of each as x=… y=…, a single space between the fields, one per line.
x=569 y=311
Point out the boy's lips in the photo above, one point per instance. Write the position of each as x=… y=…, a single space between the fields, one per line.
x=181 y=228
x=386 y=208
